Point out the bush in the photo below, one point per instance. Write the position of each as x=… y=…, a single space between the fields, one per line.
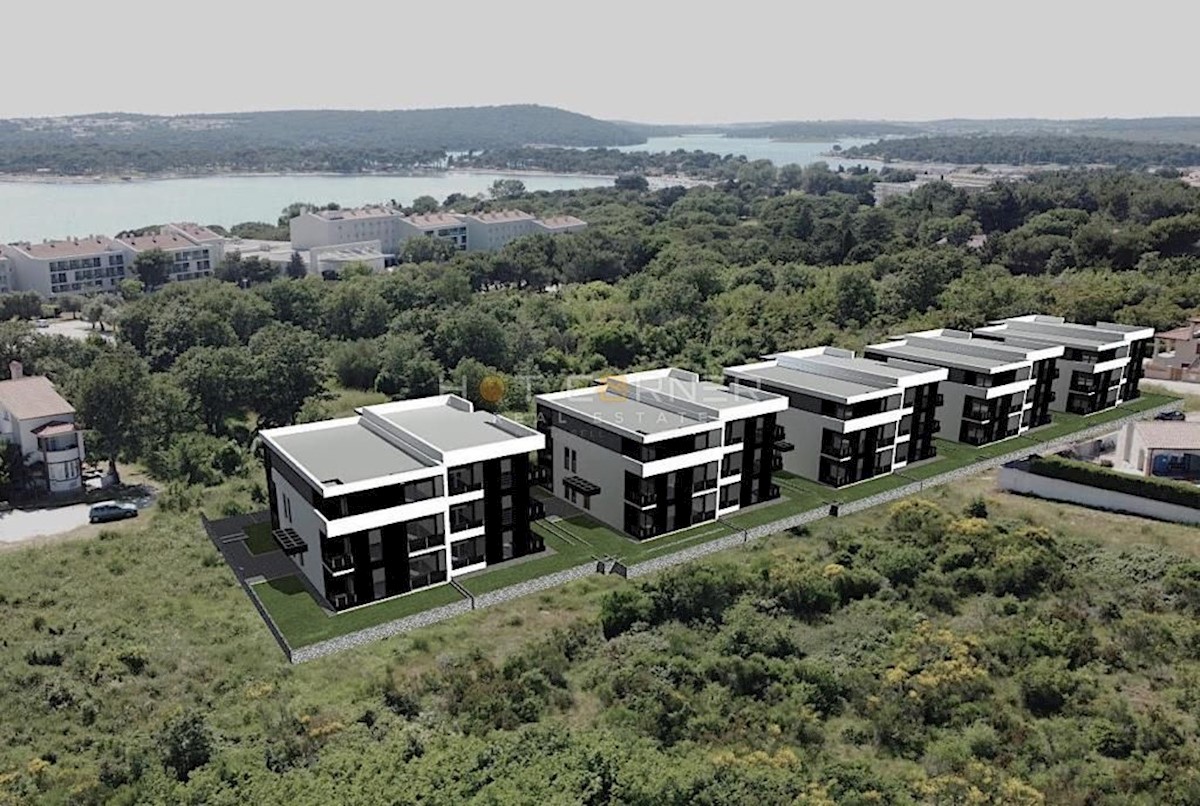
x=622 y=608
x=186 y=744
x=802 y=589
x=1171 y=492
x=977 y=508
x=1046 y=686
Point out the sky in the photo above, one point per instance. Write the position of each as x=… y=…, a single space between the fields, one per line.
x=668 y=62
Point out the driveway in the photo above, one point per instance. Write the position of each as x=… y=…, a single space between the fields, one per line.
x=21 y=525
x=74 y=329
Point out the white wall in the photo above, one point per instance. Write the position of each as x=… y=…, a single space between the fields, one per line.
x=308 y=525
x=1020 y=481
x=600 y=466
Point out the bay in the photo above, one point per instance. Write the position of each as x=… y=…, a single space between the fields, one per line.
x=780 y=152
x=37 y=210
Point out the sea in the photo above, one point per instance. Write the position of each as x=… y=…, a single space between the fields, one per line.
x=37 y=210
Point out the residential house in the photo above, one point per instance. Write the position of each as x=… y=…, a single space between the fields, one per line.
x=34 y=417
x=1157 y=448
x=654 y=452
x=848 y=418
x=401 y=497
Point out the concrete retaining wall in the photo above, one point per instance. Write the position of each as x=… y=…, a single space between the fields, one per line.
x=739 y=538
x=1016 y=480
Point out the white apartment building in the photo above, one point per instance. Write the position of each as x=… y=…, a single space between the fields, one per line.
x=654 y=452
x=440 y=226
x=190 y=260
x=1101 y=363
x=400 y=497
x=71 y=266
x=992 y=391
x=201 y=236
x=848 y=419
x=474 y=231
x=487 y=232
x=34 y=416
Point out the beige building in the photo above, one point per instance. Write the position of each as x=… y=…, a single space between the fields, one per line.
x=70 y=266
x=1161 y=448
x=1176 y=354
x=189 y=260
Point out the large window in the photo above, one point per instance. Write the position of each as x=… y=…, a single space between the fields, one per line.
x=428 y=569
x=731 y=465
x=466 y=516
x=466 y=478
x=424 y=533
x=471 y=551
x=704 y=477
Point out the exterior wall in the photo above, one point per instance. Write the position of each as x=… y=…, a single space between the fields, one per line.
x=6 y=279
x=64 y=468
x=56 y=277
x=307 y=522
x=490 y=235
x=602 y=467
x=1016 y=480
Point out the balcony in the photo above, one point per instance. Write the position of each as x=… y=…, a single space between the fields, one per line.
x=461 y=523
x=459 y=486
x=842 y=449
x=642 y=499
x=537 y=510
x=337 y=563
x=704 y=484
x=539 y=474
x=978 y=415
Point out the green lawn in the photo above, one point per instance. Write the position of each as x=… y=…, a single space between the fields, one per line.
x=303 y=622
x=565 y=555
x=259 y=540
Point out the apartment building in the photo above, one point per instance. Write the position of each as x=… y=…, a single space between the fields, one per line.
x=36 y=418
x=848 y=419
x=992 y=391
x=401 y=497
x=467 y=231
x=201 y=236
x=653 y=452
x=71 y=266
x=488 y=232
x=189 y=260
x=1101 y=364
x=439 y=226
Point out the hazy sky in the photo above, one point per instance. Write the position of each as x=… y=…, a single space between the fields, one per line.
x=641 y=60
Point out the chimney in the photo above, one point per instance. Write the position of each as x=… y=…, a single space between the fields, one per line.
x=16 y=370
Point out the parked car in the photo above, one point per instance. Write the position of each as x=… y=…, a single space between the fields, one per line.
x=1171 y=415
x=107 y=511
x=41 y=324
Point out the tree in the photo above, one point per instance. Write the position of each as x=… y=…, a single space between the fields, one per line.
x=854 y=296
x=217 y=381
x=426 y=249
x=635 y=182
x=15 y=339
x=296 y=267
x=130 y=289
x=186 y=743
x=288 y=369
x=508 y=188
x=72 y=304
x=152 y=267
x=110 y=397
x=425 y=204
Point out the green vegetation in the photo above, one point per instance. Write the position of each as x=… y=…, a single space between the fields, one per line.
x=259 y=540
x=302 y=140
x=1031 y=149
x=1171 y=492
x=777 y=674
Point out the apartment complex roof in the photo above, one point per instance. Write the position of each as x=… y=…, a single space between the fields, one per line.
x=595 y=404
x=399 y=438
x=164 y=241
x=500 y=216
x=344 y=451
x=561 y=222
x=958 y=350
x=70 y=247
x=356 y=212
x=833 y=373
x=29 y=398
x=1039 y=329
x=434 y=220
x=197 y=232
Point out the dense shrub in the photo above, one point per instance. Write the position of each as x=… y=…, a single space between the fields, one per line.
x=1171 y=492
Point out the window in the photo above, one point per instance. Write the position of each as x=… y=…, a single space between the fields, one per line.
x=375 y=541
x=507 y=547
x=731 y=465
x=379 y=580
x=587 y=502
x=287 y=507
x=427 y=569
x=425 y=533
x=574 y=461
x=566 y=458
x=471 y=551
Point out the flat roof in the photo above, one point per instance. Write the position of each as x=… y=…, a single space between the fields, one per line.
x=945 y=358
x=598 y=405
x=434 y=220
x=164 y=241
x=500 y=216
x=705 y=393
x=560 y=221
x=345 y=453
x=71 y=247
x=1049 y=330
x=197 y=231
x=356 y=212
x=803 y=381
x=1168 y=435
x=447 y=428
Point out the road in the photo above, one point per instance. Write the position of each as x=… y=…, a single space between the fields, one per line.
x=24 y=525
x=72 y=329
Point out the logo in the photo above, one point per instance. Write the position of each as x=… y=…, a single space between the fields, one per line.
x=492 y=388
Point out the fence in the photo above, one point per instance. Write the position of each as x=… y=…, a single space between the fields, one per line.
x=689 y=554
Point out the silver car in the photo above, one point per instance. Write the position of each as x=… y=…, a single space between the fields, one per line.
x=107 y=511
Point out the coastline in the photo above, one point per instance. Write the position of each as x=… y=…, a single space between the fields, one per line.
x=107 y=179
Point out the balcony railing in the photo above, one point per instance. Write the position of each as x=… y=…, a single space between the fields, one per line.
x=703 y=484
x=838 y=450
x=422 y=542
x=459 y=486
x=642 y=498
x=460 y=523
x=339 y=562
x=539 y=474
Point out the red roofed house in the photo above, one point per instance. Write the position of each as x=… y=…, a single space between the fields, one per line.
x=35 y=417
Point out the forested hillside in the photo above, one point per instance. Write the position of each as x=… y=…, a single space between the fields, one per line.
x=1031 y=149
x=321 y=140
